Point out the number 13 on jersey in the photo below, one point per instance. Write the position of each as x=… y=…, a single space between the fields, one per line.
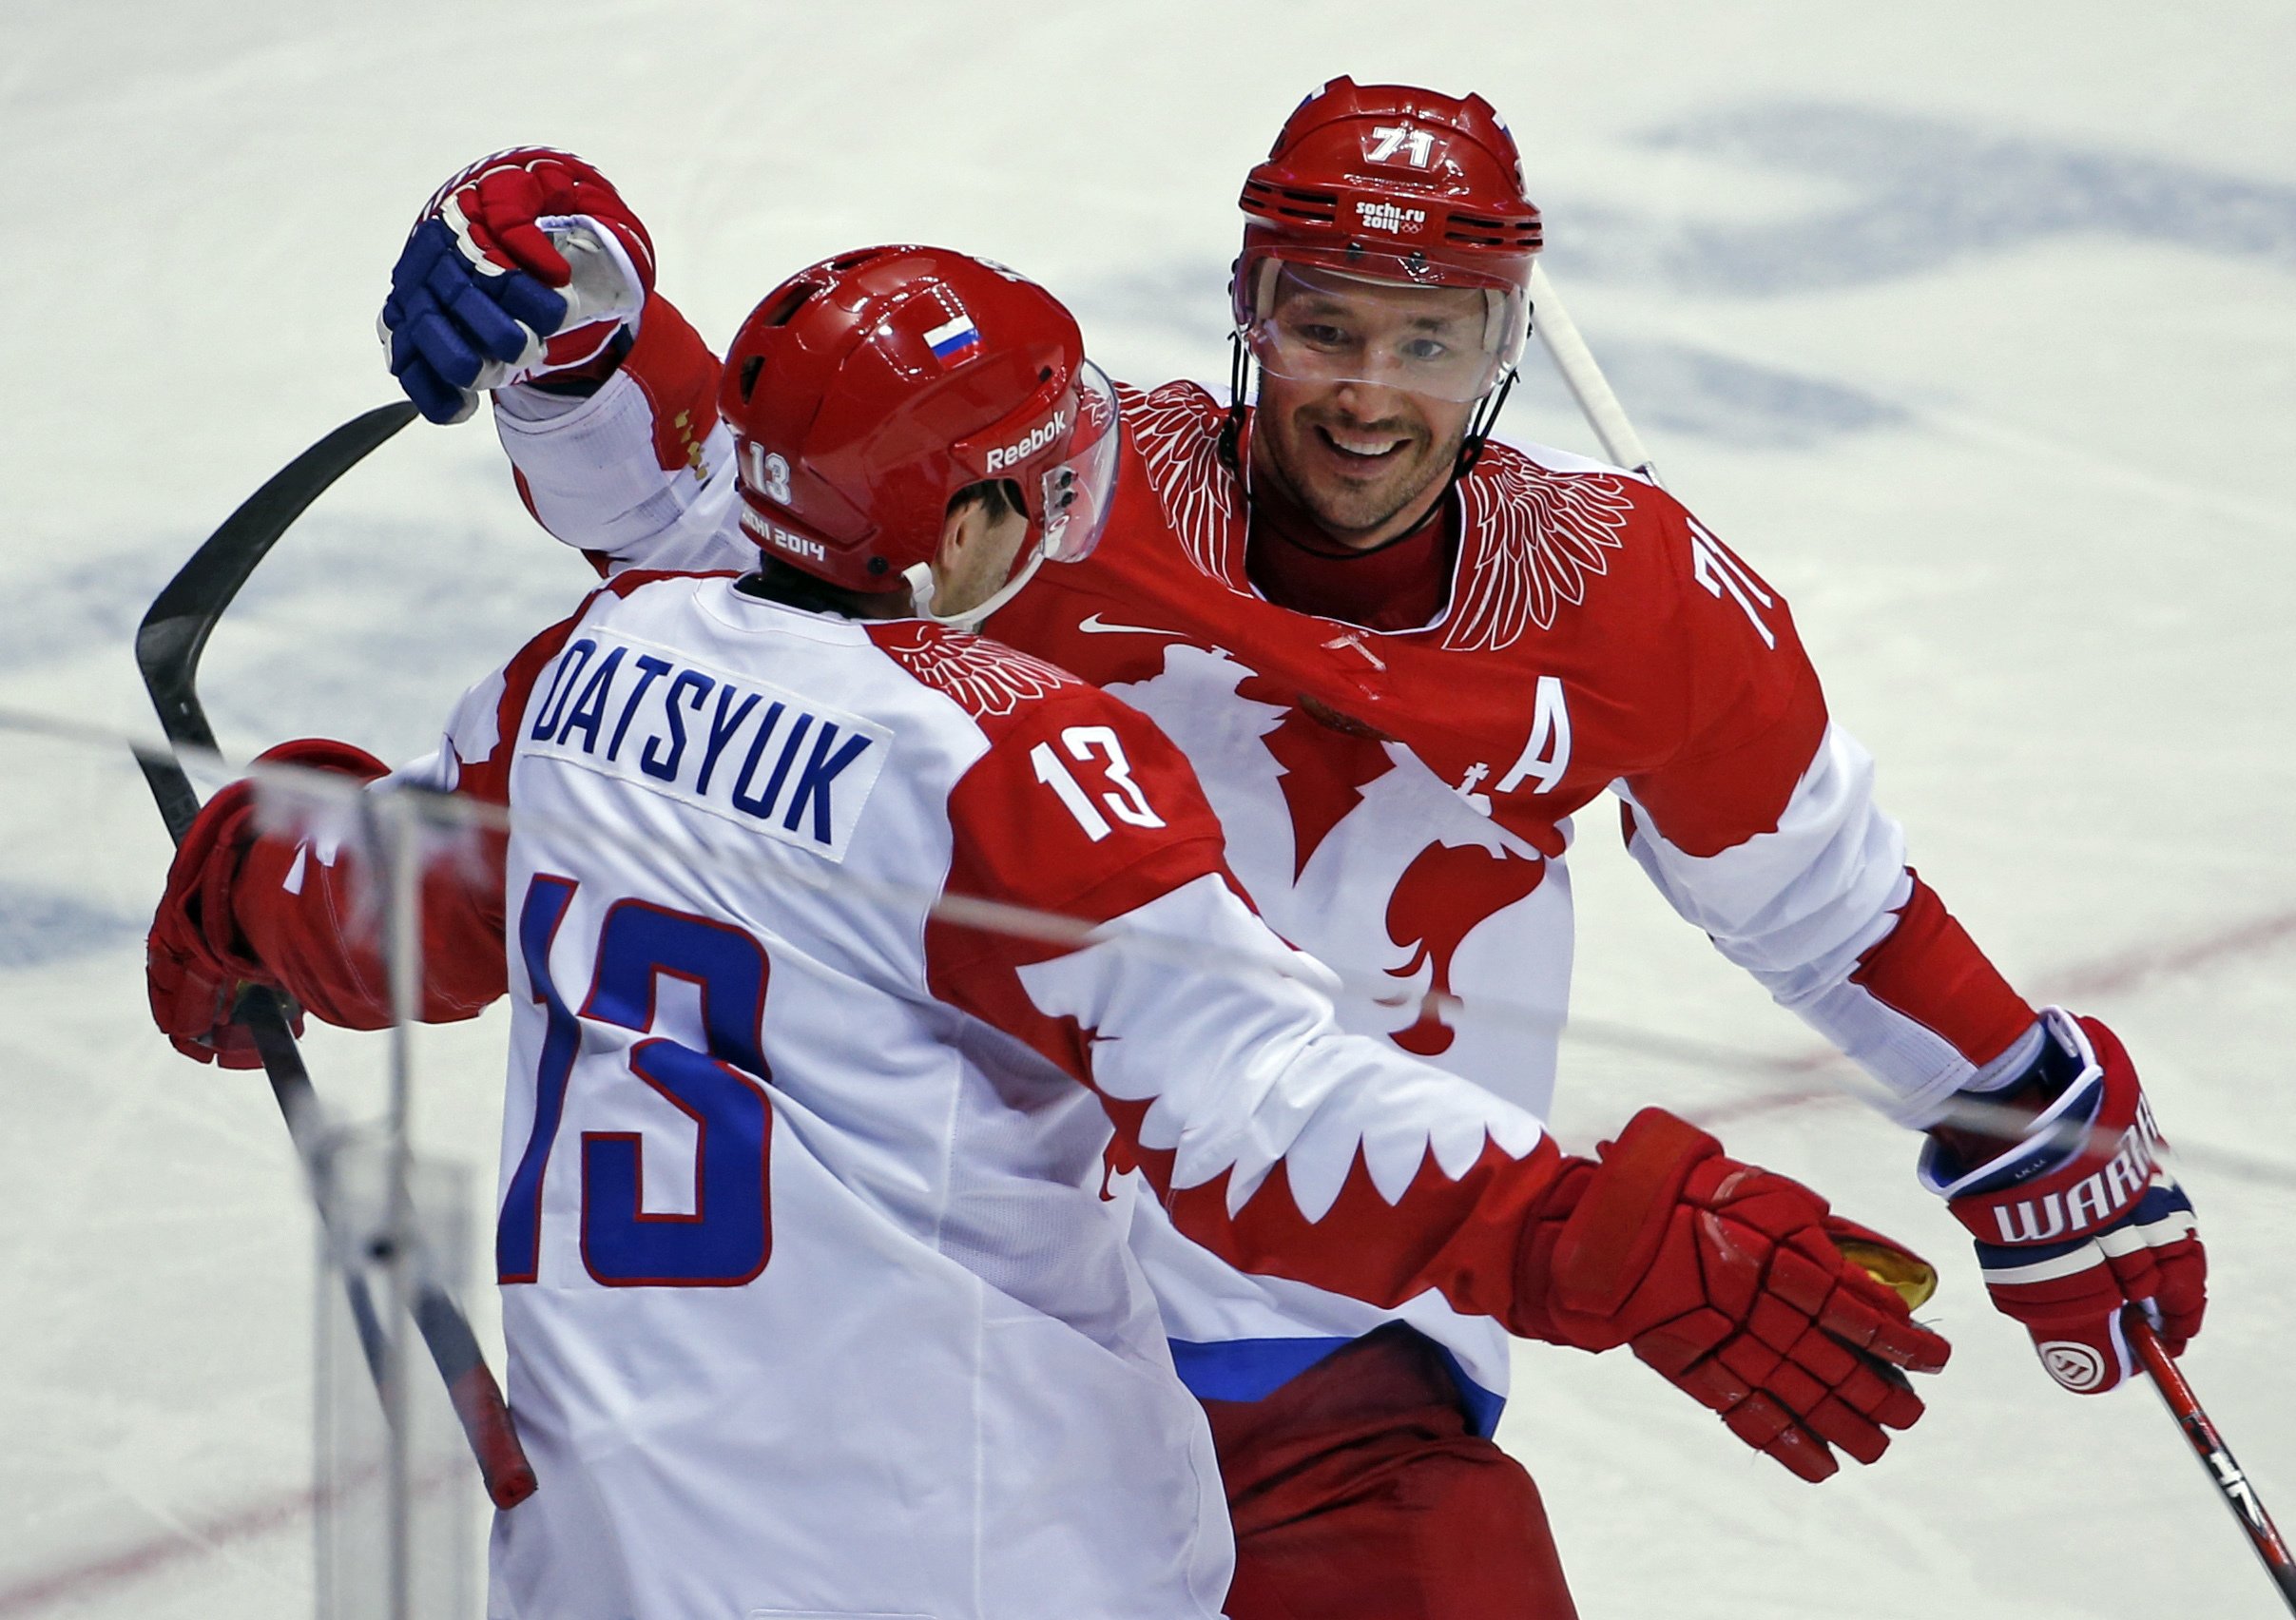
x=1094 y=746
x=726 y=1239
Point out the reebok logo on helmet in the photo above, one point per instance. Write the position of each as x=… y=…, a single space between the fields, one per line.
x=1028 y=443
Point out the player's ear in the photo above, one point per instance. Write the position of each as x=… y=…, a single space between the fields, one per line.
x=960 y=525
x=972 y=512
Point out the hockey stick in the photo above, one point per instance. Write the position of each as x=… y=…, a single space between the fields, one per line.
x=2239 y=1495
x=168 y=645
x=1584 y=378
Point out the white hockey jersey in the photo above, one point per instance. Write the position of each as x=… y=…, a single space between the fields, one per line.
x=814 y=1303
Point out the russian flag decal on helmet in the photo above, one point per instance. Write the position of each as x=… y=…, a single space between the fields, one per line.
x=955 y=342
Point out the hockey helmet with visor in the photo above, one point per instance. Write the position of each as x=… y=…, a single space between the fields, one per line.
x=1376 y=190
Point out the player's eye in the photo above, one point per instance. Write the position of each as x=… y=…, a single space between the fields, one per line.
x=1426 y=350
x=1323 y=335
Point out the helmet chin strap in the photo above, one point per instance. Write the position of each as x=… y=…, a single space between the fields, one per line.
x=919 y=576
x=1239 y=384
x=1478 y=426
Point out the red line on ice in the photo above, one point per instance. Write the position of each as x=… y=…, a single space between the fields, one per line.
x=251 y=1523
x=2132 y=970
x=2108 y=975
x=246 y=1524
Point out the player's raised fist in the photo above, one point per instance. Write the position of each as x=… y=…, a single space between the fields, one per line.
x=1728 y=1280
x=2073 y=1209
x=526 y=265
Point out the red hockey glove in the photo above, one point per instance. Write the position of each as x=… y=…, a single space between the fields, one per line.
x=525 y=265
x=2077 y=1217
x=195 y=960
x=1722 y=1277
x=192 y=968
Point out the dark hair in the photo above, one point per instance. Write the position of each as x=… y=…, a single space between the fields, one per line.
x=996 y=497
x=776 y=580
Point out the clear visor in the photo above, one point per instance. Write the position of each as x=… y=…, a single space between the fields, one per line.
x=1076 y=491
x=1309 y=323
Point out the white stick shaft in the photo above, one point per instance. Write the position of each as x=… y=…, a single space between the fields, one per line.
x=1584 y=378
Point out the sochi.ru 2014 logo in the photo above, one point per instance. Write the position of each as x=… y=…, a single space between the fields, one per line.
x=2075 y=1366
x=1390 y=218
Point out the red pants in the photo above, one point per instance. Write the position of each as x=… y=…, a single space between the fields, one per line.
x=1359 y=1493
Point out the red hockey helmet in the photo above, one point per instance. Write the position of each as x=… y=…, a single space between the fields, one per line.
x=865 y=392
x=1395 y=184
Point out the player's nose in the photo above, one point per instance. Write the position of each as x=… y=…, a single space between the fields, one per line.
x=1370 y=408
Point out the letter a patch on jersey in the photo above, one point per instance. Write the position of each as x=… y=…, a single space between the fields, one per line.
x=789 y=767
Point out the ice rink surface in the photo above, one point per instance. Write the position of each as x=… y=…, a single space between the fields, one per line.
x=1971 y=324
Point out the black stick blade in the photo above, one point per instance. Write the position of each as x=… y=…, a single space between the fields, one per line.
x=175 y=630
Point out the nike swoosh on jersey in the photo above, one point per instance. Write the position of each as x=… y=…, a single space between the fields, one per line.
x=1096 y=625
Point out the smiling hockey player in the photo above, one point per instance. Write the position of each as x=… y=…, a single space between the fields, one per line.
x=1399 y=656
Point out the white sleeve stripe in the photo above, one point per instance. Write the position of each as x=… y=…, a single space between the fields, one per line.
x=1799 y=906
x=592 y=477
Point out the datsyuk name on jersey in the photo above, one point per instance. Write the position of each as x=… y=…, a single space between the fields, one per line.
x=757 y=755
